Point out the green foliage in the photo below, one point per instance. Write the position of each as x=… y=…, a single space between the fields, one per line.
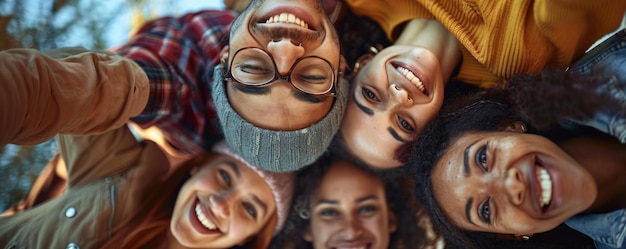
x=47 y=24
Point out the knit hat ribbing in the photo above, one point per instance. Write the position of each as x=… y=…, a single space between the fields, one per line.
x=272 y=150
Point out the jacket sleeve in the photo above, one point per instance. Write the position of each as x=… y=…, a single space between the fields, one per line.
x=81 y=92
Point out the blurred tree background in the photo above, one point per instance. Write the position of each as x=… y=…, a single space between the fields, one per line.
x=48 y=24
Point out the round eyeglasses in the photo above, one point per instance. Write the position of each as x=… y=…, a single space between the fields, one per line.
x=255 y=67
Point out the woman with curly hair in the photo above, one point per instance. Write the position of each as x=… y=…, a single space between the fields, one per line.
x=500 y=162
x=339 y=204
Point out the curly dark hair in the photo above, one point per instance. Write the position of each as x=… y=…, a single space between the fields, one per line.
x=540 y=101
x=398 y=191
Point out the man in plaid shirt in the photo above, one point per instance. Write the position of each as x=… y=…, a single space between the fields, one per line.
x=273 y=93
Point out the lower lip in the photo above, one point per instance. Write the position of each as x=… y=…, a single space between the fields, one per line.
x=196 y=224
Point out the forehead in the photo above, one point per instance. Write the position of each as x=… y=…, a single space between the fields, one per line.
x=345 y=181
x=451 y=187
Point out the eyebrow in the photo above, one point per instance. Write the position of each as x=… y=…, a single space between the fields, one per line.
x=365 y=198
x=363 y=108
x=466 y=170
x=261 y=90
x=233 y=167
x=256 y=90
x=308 y=97
x=395 y=135
x=325 y=201
x=468 y=208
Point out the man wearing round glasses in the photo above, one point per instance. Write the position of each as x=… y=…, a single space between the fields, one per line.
x=280 y=78
x=276 y=94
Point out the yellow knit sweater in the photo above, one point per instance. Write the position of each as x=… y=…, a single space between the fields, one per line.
x=501 y=38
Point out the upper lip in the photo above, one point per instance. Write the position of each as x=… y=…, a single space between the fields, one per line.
x=209 y=215
x=418 y=74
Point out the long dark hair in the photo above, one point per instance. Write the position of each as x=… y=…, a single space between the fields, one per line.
x=398 y=191
x=539 y=101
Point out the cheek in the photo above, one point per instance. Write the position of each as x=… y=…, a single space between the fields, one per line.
x=322 y=231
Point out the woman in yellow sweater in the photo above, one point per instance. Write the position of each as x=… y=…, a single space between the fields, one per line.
x=502 y=38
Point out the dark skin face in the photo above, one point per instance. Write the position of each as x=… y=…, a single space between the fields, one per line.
x=296 y=29
x=510 y=183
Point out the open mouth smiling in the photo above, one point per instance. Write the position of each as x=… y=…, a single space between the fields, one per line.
x=545 y=185
x=287 y=18
x=411 y=77
x=204 y=222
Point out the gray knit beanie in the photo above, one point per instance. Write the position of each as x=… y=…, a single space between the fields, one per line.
x=277 y=150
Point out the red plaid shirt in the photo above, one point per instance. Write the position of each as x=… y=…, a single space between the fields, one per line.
x=179 y=54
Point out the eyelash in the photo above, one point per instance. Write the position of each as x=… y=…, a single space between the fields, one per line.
x=328 y=212
x=249 y=208
x=368 y=94
x=405 y=124
x=225 y=177
x=482 y=160
x=484 y=210
x=481 y=157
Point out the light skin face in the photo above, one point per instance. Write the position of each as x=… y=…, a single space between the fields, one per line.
x=279 y=105
x=387 y=109
x=223 y=204
x=492 y=182
x=349 y=210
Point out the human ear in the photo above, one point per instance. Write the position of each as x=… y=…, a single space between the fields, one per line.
x=360 y=63
x=224 y=55
x=513 y=126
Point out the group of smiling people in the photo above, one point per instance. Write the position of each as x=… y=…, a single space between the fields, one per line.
x=249 y=128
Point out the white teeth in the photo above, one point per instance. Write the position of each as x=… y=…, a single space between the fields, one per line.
x=411 y=77
x=287 y=18
x=203 y=219
x=546 y=186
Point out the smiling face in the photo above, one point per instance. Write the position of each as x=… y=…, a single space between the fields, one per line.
x=394 y=96
x=510 y=183
x=349 y=210
x=223 y=204
x=288 y=31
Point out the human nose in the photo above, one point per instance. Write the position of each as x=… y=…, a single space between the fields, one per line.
x=400 y=95
x=220 y=203
x=285 y=54
x=352 y=229
x=515 y=185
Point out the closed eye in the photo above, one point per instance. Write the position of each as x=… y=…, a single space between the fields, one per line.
x=253 y=69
